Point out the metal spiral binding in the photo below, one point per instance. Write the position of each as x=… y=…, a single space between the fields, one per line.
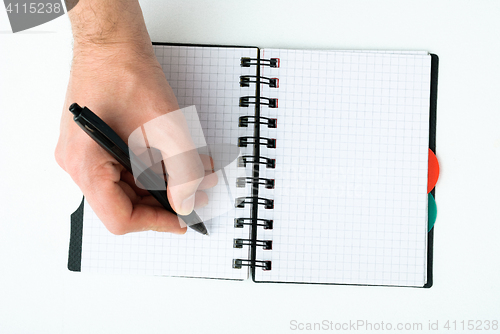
x=246 y=80
x=266 y=202
x=256 y=159
x=245 y=120
x=238 y=263
x=268 y=142
x=244 y=159
x=265 y=244
x=267 y=224
x=255 y=181
x=247 y=62
x=246 y=101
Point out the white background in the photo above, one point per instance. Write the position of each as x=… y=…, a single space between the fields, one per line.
x=39 y=295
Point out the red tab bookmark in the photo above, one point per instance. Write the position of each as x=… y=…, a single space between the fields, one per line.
x=433 y=171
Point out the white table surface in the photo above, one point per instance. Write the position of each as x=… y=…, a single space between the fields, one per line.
x=39 y=295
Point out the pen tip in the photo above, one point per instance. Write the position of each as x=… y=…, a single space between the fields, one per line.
x=207 y=234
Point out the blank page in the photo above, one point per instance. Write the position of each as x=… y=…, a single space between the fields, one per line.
x=351 y=168
x=207 y=77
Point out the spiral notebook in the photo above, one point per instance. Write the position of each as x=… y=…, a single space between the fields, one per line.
x=330 y=185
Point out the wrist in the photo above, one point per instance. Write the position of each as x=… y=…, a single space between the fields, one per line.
x=110 y=54
x=108 y=28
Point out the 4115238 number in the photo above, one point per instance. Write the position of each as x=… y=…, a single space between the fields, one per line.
x=477 y=325
x=34 y=8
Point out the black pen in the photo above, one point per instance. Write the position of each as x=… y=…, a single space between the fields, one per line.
x=102 y=133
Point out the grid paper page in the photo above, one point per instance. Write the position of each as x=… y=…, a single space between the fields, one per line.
x=351 y=168
x=207 y=77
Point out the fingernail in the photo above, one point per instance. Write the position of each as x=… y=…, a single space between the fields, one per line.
x=187 y=205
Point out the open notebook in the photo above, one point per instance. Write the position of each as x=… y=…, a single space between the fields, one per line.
x=330 y=185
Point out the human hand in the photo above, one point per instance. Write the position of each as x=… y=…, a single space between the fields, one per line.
x=124 y=85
